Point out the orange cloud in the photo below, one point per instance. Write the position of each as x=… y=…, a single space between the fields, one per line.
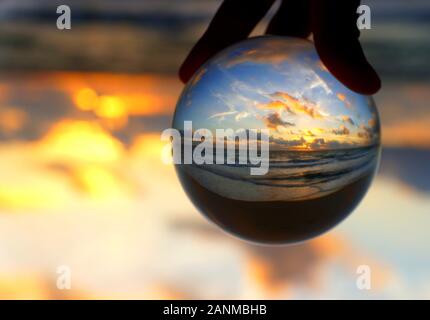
x=341 y=97
x=293 y=105
x=86 y=99
x=144 y=95
x=112 y=109
x=277 y=105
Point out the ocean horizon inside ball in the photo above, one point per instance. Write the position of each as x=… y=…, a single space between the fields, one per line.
x=323 y=141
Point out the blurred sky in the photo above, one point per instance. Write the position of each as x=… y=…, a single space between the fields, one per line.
x=82 y=183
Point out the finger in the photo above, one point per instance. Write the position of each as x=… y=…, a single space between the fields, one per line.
x=234 y=21
x=334 y=26
x=292 y=19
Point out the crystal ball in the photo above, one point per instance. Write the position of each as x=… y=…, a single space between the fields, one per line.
x=315 y=143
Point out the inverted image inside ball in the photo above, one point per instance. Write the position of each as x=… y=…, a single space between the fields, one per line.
x=323 y=141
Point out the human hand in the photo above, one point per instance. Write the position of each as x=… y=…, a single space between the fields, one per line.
x=332 y=23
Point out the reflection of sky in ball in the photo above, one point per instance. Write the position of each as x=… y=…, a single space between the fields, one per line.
x=323 y=136
x=324 y=141
x=280 y=84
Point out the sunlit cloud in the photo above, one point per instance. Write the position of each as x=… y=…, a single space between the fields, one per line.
x=291 y=143
x=86 y=99
x=295 y=105
x=39 y=191
x=307 y=142
x=143 y=95
x=81 y=141
x=347 y=119
x=34 y=183
x=309 y=133
x=100 y=183
x=272 y=269
x=365 y=132
x=112 y=109
x=342 y=97
x=332 y=144
x=372 y=122
x=119 y=105
x=242 y=115
x=342 y=130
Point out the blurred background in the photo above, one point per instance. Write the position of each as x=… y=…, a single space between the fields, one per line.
x=82 y=183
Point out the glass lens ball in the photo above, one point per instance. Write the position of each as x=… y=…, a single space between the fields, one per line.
x=323 y=141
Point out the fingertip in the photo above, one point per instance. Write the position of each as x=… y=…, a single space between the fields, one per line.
x=200 y=53
x=369 y=87
x=233 y=22
x=183 y=75
x=336 y=39
x=366 y=82
x=347 y=63
x=292 y=19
